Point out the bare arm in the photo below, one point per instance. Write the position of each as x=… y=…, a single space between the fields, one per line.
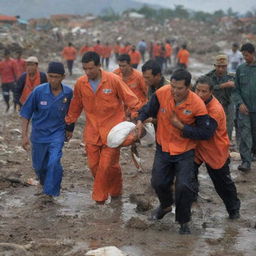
x=25 y=139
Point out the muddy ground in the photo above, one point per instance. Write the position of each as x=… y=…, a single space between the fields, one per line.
x=73 y=224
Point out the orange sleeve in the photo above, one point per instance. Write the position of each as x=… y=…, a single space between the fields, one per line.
x=128 y=97
x=76 y=106
x=143 y=86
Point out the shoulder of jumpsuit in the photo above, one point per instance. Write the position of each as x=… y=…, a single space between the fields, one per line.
x=163 y=89
x=117 y=72
x=211 y=73
x=22 y=77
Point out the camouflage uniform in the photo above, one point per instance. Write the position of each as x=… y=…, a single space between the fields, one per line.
x=224 y=97
x=245 y=93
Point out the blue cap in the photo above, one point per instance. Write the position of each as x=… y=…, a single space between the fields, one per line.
x=56 y=67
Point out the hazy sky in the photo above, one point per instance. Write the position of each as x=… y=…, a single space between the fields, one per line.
x=208 y=5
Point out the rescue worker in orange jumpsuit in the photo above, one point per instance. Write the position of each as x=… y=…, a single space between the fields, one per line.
x=215 y=151
x=102 y=95
x=132 y=77
x=181 y=119
x=135 y=57
x=183 y=57
x=69 y=54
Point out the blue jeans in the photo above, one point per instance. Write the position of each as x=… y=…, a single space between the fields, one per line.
x=46 y=163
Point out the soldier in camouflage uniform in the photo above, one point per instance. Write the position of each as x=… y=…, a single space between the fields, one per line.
x=223 y=87
x=245 y=99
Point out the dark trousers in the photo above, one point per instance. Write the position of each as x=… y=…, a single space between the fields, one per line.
x=6 y=89
x=165 y=169
x=224 y=186
x=70 y=66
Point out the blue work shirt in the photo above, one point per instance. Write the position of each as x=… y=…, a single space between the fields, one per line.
x=47 y=113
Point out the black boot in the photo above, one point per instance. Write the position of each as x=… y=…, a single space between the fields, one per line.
x=184 y=229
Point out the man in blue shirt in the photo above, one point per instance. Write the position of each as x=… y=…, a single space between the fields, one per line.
x=47 y=106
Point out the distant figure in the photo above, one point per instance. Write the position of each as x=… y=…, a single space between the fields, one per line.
x=135 y=57
x=29 y=80
x=117 y=50
x=106 y=54
x=235 y=58
x=9 y=76
x=168 y=54
x=142 y=47
x=183 y=57
x=69 y=54
x=21 y=64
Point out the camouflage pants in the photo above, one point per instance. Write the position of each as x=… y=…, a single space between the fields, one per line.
x=229 y=111
x=247 y=125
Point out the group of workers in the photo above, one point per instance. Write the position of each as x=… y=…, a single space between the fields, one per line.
x=162 y=52
x=192 y=125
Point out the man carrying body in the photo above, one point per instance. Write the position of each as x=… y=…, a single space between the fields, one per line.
x=176 y=144
x=215 y=151
x=102 y=95
x=29 y=80
x=223 y=87
x=244 y=99
x=47 y=106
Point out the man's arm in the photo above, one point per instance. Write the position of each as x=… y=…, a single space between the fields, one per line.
x=24 y=127
x=203 y=129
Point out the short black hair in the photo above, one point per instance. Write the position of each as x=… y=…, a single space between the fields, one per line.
x=235 y=45
x=248 y=47
x=205 y=80
x=182 y=74
x=152 y=65
x=91 y=56
x=125 y=57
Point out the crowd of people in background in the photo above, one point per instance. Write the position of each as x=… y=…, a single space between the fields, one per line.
x=194 y=124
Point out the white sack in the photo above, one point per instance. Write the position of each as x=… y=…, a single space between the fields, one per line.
x=118 y=133
x=106 y=251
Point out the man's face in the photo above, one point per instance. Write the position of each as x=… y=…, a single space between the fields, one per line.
x=124 y=67
x=221 y=70
x=248 y=57
x=179 y=90
x=150 y=79
x=203 y=91
x=91 y=70
x=55 y=79
x=31 y=68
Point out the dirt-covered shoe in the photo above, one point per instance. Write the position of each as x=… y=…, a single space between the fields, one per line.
x=184 y=229
x=244 y=167
x=159 y=213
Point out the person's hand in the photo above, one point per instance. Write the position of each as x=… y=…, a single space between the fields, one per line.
x=243 y=109
x=176 y=122
x=139 y=129
x=228 y=84
x=25 y=143
x=68 y=135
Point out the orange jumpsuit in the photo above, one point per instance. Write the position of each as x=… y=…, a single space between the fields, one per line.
x=69 y=53
x=135 y=57
x=183 y=56
x=136 y=83
x=215 y=151
x=103 y=110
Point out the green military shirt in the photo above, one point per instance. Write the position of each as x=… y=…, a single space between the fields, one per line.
x=152 y=89
x=245 y=91
x=222 y=94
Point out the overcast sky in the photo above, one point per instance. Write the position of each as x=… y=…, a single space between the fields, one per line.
x=240 y=6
